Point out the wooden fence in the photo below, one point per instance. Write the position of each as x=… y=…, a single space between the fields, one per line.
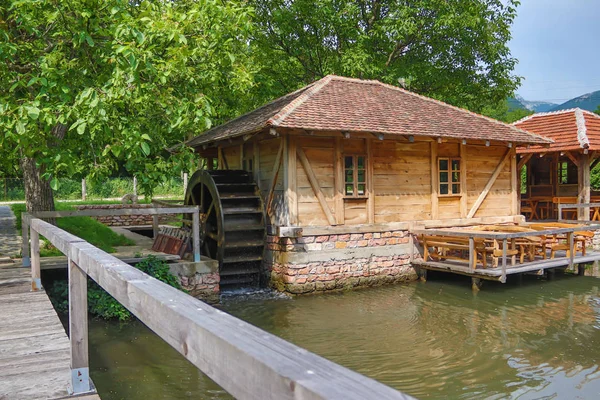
x=246 y=361
x=155 y=212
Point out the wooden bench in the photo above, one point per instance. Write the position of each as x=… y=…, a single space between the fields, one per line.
x=442 y=245
x=525 y=246
x=555 y=241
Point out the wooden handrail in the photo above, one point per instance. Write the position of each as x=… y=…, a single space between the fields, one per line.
x=246 y=361
x=155 y=212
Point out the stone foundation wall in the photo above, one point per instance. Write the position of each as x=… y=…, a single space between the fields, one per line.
x=329 y=262
x=125 y=220
x=201 y=280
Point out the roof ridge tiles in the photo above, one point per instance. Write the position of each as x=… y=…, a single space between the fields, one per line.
x=582 y=137
x=557 y=112
x=278 y=118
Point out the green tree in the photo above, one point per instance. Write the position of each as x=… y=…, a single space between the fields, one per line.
x=453 y=50
x=597 y=110
x=91 y=85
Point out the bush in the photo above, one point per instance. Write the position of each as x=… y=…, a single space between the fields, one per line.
x=100 y=303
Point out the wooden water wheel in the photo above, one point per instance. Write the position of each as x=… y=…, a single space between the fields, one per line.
x=232 y=223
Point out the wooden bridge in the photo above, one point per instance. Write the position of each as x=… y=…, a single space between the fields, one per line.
x=246 y=361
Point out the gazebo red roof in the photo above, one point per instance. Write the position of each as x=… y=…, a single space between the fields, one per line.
x=572 y=130
x=337 y=103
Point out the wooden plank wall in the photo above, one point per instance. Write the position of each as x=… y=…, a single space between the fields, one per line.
x=481 y=163
x=402 y=180
x=320 y=155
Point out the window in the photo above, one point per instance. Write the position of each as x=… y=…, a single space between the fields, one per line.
x=449 y=176
x=355 y=176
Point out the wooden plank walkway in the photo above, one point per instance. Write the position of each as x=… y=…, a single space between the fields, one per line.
x=34 y=348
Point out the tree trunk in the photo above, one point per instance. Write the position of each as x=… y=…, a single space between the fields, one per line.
x=38 y=194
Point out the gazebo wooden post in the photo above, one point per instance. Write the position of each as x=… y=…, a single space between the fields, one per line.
x=583 y=182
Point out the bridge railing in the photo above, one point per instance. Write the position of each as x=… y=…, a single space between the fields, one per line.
x=155 y=212
x=246 y=361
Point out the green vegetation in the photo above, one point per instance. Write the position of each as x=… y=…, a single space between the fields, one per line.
x=86 y=228
x=100 y=303
x=93 y=87
x=455 y=51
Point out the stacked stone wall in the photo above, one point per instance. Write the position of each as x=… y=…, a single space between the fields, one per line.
x=332 y=262
x=125 y=220
x=203 y=286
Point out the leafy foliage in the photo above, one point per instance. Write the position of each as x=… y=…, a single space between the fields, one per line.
x=453 y=50
x=103 y=305
x=120 y=80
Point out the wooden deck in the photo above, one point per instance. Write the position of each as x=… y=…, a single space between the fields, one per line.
x=34 y=348
x=536 y=267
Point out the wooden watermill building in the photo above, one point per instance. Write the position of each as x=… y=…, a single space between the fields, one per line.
x=560 y=173
x=332 y=178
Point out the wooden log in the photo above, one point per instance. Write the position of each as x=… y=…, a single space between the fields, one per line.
x=504 y=253
x=515 y=178
x=583 y=166
x=78 y=330
x=472 y=254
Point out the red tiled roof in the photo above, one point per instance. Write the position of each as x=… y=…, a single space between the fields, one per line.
x=352 y=105
x=573 y=129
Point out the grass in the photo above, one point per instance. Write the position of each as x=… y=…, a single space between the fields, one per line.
x=86 y=228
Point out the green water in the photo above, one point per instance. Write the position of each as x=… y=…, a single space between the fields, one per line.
x=437 y=340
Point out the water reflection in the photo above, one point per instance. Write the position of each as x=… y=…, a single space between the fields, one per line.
x=433 y=340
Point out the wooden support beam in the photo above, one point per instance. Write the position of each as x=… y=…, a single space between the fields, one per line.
x=314 y=183
x=222 y=160
x=242 y=156
x=292 y=186
x=434 y=181
x=515 y=178
x=489 y=184
x=78 y=330
x=154 y=226
x=463 y=181
x=36 y=276
x=274 y=175
x=583 y=170
x=571 y=157
x=523 y=161
x=256 y=161
x=370 y=193
x=338 y=168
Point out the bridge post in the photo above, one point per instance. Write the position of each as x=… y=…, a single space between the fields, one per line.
x=196 y=234
x=25 y=236
x=36 y=275
x=78 y=331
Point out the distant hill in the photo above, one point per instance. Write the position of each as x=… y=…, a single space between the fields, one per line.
x=536 y=106
x=589 y=101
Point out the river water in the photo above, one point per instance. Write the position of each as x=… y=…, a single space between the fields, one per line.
x=435 y=340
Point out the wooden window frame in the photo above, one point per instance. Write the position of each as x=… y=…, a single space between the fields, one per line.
x=355 y=181
x=562 y=171
x=451 y=173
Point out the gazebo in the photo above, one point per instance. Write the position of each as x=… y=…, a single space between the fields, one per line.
x=560 y=173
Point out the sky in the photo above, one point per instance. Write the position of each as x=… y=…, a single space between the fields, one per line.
x=557 y=43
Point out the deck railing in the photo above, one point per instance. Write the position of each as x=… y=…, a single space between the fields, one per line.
x=505 y=237
x=585 y=206
x=246 y=361
x=155 y=212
